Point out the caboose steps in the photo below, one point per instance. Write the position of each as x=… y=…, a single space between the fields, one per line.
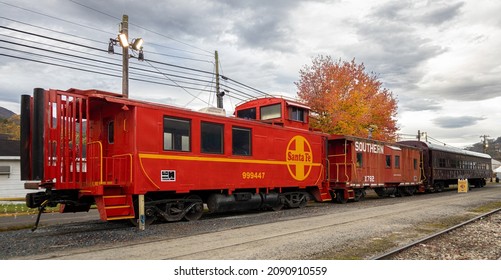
x=115 y=207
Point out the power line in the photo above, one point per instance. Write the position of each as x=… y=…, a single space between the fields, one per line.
x=95 y=10
x=226 y=79
x=236 y=93
x=96 y=49
x=58 y=47
x=154 y=32
x=56 y=18
x=94 y=72
x=51 y=38
x=244 y=85
x=106 y=68
x=51 y=30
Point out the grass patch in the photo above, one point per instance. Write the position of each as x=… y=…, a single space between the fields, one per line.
x=487 y=207
x=16 y=228
x=361 y=251
x=367 y=248
x=21 y=208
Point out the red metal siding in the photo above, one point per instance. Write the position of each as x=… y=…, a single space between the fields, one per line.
x=372 y=171
x=280 y=157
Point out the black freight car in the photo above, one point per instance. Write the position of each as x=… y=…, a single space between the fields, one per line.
x=444 y=165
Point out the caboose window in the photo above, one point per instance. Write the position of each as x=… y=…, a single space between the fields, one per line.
x=212 y=138
x=247 y=113
x=271 y=112
x=388 y=161
x=296 y=114
x=415 y=164
x=360 y=162
x=397 y=162
x=241 y=141
x=176 y=134
x=111 y=132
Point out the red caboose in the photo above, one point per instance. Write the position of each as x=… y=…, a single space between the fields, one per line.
x=87 y=147
x=356 y=164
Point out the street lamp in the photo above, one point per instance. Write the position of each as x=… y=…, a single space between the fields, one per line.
x=136 y=45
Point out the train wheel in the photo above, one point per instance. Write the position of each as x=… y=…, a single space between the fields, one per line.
x=381 y=192
x=400 y=192
x=296 y=199
x=303 y=202
x=278 y=207
x=196 y=210
x=359 y=195
x=340 y=197
x=410 y=190
x=439 y=187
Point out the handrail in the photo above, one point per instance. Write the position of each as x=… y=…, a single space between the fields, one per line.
x=100 y=156
x=130 y=164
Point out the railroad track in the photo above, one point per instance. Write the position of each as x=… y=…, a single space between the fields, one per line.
x=391 y=254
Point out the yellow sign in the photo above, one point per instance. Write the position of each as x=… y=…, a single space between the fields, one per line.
x=462 y=185
x=299 y=158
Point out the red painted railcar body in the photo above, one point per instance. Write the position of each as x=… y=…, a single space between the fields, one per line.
x=178 y=158
x=357 y=163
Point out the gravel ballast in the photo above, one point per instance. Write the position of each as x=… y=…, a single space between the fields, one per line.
x=319 y=231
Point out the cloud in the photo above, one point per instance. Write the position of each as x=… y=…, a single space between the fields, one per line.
x=392 y=43
x=466 y=88
x=434 y=13
x=417 y=105
x=457 y=122
x=262 y=24
x=442 y=14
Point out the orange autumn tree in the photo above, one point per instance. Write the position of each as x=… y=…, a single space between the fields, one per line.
x=347 y=100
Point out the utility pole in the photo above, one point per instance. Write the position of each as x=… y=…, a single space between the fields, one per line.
x=422 y=134
x=219 y=95
x=123 y=39
x=486 y=144
x=125 y=57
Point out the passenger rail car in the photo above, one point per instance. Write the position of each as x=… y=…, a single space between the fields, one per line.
x=87 y=147
x=444 y=165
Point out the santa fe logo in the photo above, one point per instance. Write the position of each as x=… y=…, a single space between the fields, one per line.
x=299 y=158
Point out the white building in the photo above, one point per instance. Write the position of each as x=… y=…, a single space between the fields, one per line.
x=11 y=185
x=496 y=167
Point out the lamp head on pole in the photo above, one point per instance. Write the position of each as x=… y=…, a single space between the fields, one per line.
x=137 y=44
x=123 y=40
x=111 y=50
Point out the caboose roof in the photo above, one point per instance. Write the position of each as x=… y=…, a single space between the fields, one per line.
x=268 y=101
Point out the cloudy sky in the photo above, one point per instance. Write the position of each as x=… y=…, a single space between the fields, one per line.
x=439 y=58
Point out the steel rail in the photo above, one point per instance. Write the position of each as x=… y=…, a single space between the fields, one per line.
x=393 y=252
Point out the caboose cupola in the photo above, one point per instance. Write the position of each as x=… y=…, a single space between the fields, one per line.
x=276 y=111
